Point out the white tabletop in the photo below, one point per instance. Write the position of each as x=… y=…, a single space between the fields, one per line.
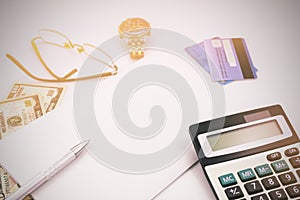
x=270 y=28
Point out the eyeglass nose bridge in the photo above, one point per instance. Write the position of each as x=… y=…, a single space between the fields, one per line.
x=79 y=47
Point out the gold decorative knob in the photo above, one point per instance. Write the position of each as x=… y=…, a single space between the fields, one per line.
x=134 y=32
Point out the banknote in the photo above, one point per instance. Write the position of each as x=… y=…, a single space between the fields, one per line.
x=25 y=103
x=7 y=184
x=16 y=113
x=50 y=96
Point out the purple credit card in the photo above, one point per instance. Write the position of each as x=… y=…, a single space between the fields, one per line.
x=229 y=59
x=225 y=59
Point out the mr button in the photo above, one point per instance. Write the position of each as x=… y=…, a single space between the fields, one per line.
x=227 y=180
x=246 y=175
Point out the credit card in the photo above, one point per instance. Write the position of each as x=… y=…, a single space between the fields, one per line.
x=229 y=59
x=197 y=51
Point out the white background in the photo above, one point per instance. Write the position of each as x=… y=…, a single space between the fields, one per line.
x=271 y=29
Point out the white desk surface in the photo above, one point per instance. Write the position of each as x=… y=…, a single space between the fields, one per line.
x=271 y=29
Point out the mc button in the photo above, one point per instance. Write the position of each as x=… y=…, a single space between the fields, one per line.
x=227 y=180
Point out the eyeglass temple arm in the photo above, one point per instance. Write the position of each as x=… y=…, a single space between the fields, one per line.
x=16 y=62
x=36 y=50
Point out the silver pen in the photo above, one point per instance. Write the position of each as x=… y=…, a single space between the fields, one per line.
x=44 y=176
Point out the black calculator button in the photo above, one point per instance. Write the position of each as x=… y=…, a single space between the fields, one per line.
x=287 y=178
x=278 y=195
x=253 y=187
x=270 y=183
x=293 y=191
x=291 y=152
x=295 y=161
x=234 y=192
x=274 y=156
x=260 y=197
x=298 y=172
x=280 y=166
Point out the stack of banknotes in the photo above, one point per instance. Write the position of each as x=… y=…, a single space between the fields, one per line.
x=24 y=103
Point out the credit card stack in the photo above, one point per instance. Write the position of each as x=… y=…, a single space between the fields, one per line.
x=225 y=59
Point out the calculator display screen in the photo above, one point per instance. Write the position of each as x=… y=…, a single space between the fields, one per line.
x=244 y=135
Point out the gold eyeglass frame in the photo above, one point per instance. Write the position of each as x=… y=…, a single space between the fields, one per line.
x=67 y=45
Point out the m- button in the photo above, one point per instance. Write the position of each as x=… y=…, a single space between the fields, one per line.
x=263 y=170
x=227 y=180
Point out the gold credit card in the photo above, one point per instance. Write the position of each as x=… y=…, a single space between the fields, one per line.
x=50 y=96
x=16 y=113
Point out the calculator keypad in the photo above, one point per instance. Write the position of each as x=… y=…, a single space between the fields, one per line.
x=263 y=170
x=280 y=166
x=260 y=197
x=234 y=192
x=253 y=187
x=270 y=183
x=295 y=161
x=293 y=191
x=274 y=156
x=277 y=178
x=246 y=175
x=278 y=195
x=291 y=152
x=287 y=178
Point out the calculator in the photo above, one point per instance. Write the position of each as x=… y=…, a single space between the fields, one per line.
x=250 y=155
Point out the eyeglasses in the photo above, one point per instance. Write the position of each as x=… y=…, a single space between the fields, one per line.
x=55 y=38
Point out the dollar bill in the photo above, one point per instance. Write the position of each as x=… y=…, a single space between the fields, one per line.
x=50 y=96
x=16 y=113
x=8 y=184
x=25 y=103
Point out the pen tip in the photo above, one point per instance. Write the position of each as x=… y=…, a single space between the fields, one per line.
x=79 y=147
x=86 y=142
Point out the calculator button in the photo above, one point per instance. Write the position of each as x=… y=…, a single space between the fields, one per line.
x=234 y=192
x=278 y=195
x=298 y=172
x=295 y=161
x=253 y=187
x=291 y=152
x=270 y=183
x=260 y=197
x=280 y=166
x=293 y=191
x=263 y=170
x=246 y=175
x=274 y=156
x=287 y=178
x=227 y=180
